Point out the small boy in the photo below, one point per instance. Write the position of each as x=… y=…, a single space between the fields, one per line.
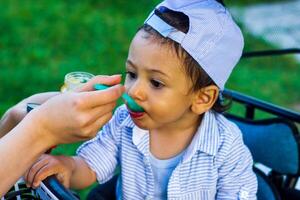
x=179 y=147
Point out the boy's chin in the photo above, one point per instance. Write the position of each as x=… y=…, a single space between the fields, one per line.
x=142 y=124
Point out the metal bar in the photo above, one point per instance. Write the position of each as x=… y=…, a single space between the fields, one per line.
x=265 y=106
x=250 y=111
x=252 y=54
x=221 y=2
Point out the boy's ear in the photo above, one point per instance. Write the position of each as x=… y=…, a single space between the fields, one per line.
x=204 y=99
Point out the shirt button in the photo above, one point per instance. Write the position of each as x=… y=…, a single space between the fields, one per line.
x=244 y=195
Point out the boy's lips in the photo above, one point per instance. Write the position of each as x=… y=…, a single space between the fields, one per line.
x=135 y=114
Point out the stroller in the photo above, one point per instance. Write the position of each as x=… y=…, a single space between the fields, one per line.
x=273 y=142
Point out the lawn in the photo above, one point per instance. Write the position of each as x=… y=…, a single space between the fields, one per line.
x=41 y=41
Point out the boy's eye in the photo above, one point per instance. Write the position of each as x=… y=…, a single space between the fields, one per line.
x=156 y=84
x=131 y=75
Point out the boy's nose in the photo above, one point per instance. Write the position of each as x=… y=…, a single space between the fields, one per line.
x=137 y=91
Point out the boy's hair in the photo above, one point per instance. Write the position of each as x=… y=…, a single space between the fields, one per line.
x=191 y=67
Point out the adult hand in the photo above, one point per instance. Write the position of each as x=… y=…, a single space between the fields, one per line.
x=77 y=116
x=64 y=118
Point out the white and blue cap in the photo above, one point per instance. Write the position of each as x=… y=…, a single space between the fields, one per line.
x=214 y=40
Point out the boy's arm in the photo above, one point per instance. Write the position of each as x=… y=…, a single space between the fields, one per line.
x=102 y=152
x=97 y=159
x=82 y=175
x=236 y=177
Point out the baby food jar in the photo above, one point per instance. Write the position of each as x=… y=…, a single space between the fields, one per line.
x=75 y=79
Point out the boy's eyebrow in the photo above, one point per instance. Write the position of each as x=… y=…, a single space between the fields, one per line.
x=152 y=70
x=130 y=63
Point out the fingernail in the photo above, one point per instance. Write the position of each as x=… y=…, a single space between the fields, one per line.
x=122 y=88
x=116 y=75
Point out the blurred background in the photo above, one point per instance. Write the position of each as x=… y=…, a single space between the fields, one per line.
x=41 y=41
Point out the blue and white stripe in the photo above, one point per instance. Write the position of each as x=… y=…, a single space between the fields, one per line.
x=216 y=165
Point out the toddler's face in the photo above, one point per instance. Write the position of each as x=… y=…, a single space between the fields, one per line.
x=157 y=82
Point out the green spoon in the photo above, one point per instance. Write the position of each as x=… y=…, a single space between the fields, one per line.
x=132 y=105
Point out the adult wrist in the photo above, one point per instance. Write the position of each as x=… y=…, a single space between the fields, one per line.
x=36 y=128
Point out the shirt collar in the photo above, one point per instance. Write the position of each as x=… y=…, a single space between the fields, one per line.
x=205 y=140
x=140 y=138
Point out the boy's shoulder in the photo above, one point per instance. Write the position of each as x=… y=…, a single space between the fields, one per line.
x=227 y=128
x=229 y=134
x=217 y=134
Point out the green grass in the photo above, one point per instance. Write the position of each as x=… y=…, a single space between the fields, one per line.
x=41 y=41
x=274 y=79
x=248 y=2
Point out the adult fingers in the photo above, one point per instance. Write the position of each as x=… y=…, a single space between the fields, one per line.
x=107 y=80
x=92 y=130
x=95 y=127
x=89 y=116
x=97 y=112
x=99 y=98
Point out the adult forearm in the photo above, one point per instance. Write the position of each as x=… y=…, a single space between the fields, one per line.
x=16 y=113
x=13 y=145
x=7 y=123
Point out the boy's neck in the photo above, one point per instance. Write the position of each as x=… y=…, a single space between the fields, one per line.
x=167 y=143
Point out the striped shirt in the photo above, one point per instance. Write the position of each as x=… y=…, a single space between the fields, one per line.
x=216 y=165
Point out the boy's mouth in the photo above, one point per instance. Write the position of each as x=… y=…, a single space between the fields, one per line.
x=135 y=115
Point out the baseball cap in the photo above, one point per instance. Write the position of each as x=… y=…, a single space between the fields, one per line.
x=214 y=40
